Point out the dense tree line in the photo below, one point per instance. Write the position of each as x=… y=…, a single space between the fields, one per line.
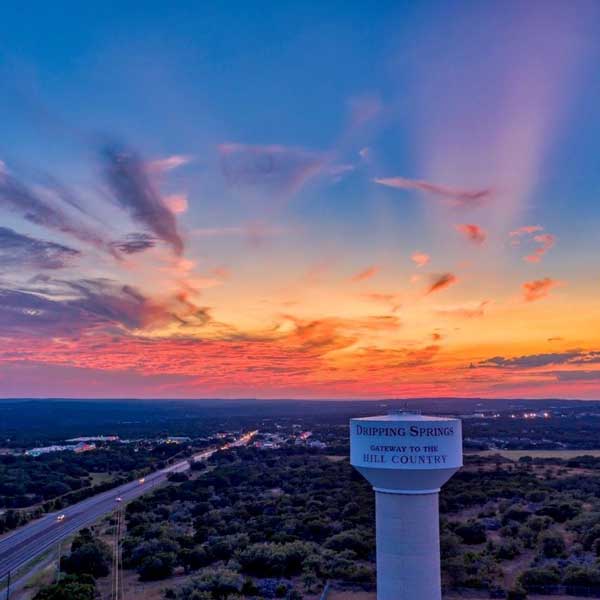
x=277 y=523
x=267 y=517
x=26 y=480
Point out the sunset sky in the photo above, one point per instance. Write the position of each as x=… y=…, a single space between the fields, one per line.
x=310 y=200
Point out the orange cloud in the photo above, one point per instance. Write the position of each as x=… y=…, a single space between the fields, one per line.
x=365 y=274
x=535 y=290
x=472 y=232
x=441 y=282
x=420 y=258
x=393 y=300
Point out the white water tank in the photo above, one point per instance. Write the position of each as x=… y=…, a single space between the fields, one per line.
x=407 y=457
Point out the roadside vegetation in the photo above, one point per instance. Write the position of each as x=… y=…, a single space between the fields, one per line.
x=89 y=559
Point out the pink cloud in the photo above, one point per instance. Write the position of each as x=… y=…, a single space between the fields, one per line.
x=365 y=274
x=546 y=241
x=459 y=197
x=420 y=258
x=176 y=203
x=540 y=288
x=221 y=272
x=168 y=163
x=472 y=232
x=525 y=230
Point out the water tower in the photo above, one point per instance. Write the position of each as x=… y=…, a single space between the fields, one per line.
x=407 y=457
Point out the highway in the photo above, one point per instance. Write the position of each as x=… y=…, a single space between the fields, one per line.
x=30 y=541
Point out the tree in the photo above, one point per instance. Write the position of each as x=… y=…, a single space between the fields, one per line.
x=553 y=545
x=354 y=539
x=471 y=532
x=268 y=559
x=538 y=577
x=154 y=568
x=219 y=584
x=70 y=588
x=89 y=555
x=582 y=577
x=508 y=550
x=516 y=513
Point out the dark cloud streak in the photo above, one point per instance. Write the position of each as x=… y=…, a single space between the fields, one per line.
x=134 y=243
x=528 y=361
x=22 y=251
x=128 y=180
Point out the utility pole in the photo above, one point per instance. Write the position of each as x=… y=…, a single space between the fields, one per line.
x=8 y=586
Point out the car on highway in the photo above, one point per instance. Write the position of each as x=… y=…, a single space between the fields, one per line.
x=142 y=481
x=60 y=518
x=118 y=499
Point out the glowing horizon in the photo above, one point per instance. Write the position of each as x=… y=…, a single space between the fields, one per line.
x=299 y=205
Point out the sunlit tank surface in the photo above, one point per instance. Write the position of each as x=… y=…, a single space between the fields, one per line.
x=407 y=457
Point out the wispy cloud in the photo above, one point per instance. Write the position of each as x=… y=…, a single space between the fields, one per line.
x=128 y=180
x=365 y=274
x=22 y=251
x=161 y=165
x=539 y=288
x=474 y=233
x=569 y=357
x=391 y=300
x=56 y=307
x=34 y=207
x=283 y=168
x=364 y=109
x=572 y=376
x=458 y=197
x=331 y=333
x=441 y=282
x=525 y=230
x=420 y=258
x=465 y=312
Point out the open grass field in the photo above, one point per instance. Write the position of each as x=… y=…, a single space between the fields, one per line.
x=517 y=454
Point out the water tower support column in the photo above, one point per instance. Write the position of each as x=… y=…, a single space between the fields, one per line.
x=408 y=546
x=407 y=457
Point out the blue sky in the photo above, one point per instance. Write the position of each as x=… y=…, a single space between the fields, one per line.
x=313 y=144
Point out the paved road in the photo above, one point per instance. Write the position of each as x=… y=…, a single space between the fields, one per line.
x=28 y=542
